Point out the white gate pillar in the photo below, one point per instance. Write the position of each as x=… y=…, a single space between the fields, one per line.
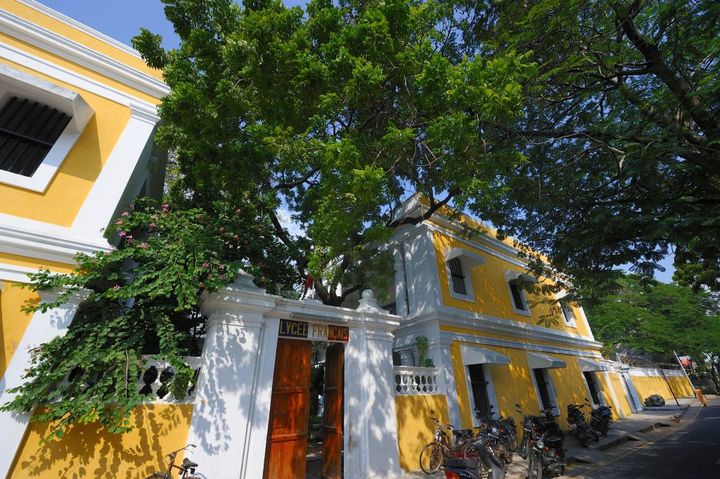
x=232 y=406
x=43 y=327
x=371 y=442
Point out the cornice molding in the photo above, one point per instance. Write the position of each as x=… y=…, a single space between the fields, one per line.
x=47 y=245
x=50 y=41
x=55 y=15
x=485 y=323
x=77 y=80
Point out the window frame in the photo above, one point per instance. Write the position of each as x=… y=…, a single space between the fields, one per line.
x=514 y=282
x=467 y=281
x=22 y=85
x=567 y=309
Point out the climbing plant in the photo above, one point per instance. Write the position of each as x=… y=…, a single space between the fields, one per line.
x=141 y=300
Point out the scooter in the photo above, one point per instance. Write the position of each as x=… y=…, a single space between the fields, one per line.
x=467 y=468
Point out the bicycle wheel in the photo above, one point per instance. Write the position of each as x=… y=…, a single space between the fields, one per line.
x=535 y=467
x=431 y=458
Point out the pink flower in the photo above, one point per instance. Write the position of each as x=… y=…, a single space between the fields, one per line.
x=129 y=238
x=152 y=226
x=125 y=213
x=116 y=287
x=206 y=265
x=122 y=234
x=143 y=245
x=165 y=207
x=119 y=223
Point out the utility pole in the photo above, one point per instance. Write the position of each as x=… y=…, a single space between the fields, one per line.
x=677 y=358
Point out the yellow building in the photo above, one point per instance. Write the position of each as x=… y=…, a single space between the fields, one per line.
x=77 y=113
x=491 y=343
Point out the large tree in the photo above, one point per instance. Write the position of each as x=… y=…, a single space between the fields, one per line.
x=621 y=131
x=336 y=113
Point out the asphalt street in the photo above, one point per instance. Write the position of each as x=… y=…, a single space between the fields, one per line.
x=692 y=452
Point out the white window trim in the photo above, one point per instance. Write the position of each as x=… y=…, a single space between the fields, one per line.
x=524 y=312
x=490 y=388
x=511 y=276
x=566 y=309
x=551 y=390
x=470 y=296
x=16 y=82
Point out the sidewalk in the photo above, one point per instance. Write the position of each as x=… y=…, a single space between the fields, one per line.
x=637 y=427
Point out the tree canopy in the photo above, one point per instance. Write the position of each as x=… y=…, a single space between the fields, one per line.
x=657 y=318
x=337 y=113
x=586 y=129
x=620 y=129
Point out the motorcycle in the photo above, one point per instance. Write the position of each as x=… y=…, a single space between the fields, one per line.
x=600 y=418
x=542 y=444
x=579 y=426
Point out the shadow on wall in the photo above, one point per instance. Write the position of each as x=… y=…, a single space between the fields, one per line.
x=415 y=428
x=89 y=450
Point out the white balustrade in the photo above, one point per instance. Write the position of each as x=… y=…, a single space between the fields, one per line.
x=157 y=374
x=411 y=380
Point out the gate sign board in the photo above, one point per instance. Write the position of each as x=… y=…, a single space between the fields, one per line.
x=313 y=331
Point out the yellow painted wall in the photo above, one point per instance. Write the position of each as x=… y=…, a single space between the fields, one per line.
x=88 y=451
x=12 y=321
x=681 y=386
x=617 y=385
x=415 y=428
x=65 y=194
x=513 y=384
x=26 y=262
x=648 y=385
x=492 y=295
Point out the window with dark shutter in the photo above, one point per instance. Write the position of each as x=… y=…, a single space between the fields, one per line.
x=457 y=276
x=517 y=296
x=28 y=130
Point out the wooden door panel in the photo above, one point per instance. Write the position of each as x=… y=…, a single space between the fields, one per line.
x=289 y=409
x=333 y=413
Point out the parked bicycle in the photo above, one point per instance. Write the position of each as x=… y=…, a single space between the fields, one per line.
x=432 y=455
x=478 y=446
x=187 y=467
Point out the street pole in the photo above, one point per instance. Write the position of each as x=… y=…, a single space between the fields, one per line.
x=668 y=385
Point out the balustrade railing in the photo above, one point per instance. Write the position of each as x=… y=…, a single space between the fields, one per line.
x=411 y=380
x=156 y=376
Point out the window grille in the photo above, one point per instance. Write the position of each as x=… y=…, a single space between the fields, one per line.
x=567 y=313
x=457 y=276
x=28 y=130
x=517 y=296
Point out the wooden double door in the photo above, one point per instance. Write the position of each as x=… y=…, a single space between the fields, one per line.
x=285 y=455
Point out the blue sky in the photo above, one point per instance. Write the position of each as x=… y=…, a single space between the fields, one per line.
x=122 y=19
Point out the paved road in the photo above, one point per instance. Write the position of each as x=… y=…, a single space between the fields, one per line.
x=692 y=452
